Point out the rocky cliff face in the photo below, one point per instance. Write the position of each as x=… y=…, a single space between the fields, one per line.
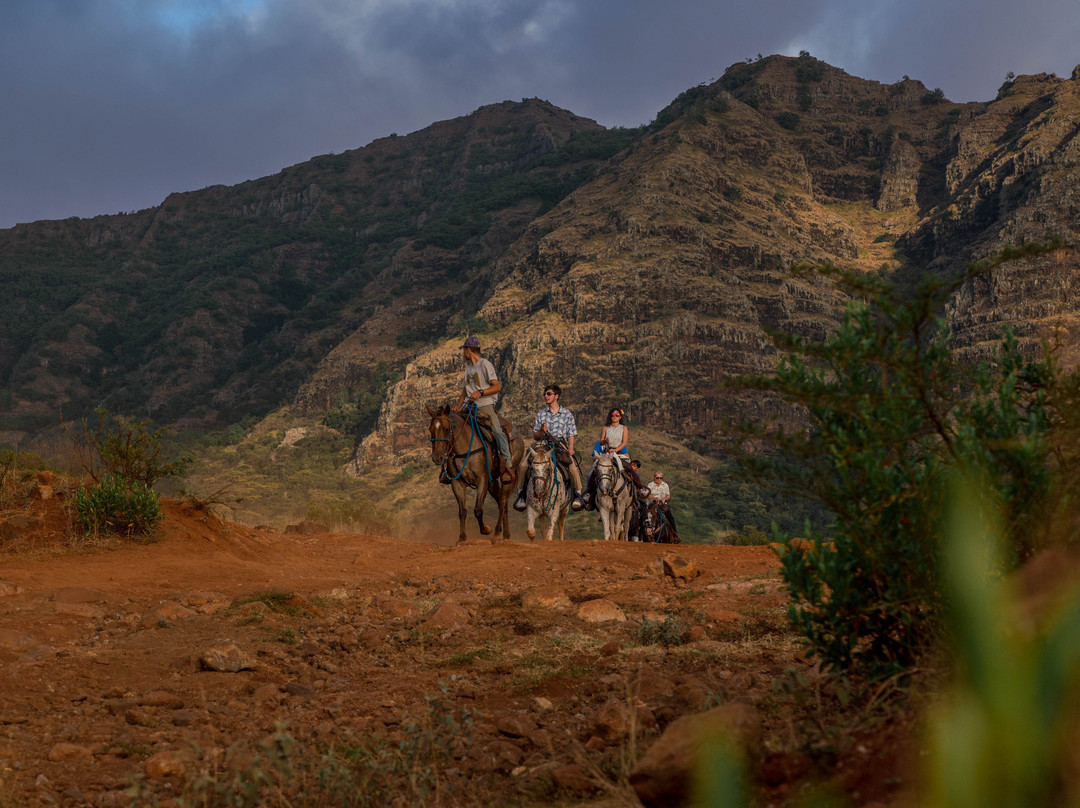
x=650 y=285
x=634 y=268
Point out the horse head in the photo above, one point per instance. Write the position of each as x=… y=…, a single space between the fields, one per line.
x=605 y=474
x=653 y=522
x=441 y=432
x=540 y=472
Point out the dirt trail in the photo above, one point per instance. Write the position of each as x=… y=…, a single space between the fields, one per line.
x=103 y=654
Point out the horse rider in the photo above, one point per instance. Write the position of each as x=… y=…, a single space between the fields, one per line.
x=481 y=386
x=660 y=493
x=556 y=425
x=613 y=438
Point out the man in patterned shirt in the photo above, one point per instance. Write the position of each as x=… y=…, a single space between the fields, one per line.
x=555 y=424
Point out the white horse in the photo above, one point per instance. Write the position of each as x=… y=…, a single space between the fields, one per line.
x=548 y=495
x=614 y=497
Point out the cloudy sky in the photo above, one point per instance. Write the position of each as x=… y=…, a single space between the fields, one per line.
x=110 y=105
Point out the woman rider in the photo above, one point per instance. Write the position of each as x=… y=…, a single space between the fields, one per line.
x=614 y=436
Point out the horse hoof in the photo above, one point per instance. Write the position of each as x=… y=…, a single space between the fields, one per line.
x=531 y=534
x=486 y=531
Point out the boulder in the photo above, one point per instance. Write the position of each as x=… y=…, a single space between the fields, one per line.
x=69 y=751
x=680 y=568
x=162 y=698
x=166 y=764
x=229 y=659
x=447 y=616
x=600 y=610
x=396 y=607
x=163 y=614
x=545 y=597
x=663 y=776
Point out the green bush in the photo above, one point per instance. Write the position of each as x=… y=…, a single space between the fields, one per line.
x=1002 y=735
x=118 y=506
x=126 y=449
x=788 y=120
x=666 y=632
x=892 y=416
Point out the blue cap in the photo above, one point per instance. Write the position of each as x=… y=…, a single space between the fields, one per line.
x=472 y=342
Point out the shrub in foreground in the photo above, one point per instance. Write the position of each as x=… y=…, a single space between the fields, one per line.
x=892 y=414
x=128 y=508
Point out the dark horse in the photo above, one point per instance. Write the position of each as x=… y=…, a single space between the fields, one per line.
x=469 y=460
x=656 y=527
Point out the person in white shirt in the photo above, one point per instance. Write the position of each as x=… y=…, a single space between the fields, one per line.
x=660 y=492
x=481 y=385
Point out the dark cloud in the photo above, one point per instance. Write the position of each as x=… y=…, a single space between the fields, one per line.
x=110 y=105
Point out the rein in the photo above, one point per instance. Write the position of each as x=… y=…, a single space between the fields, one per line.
x=552 y=489
x=662 y=521
x=615 y=473
x=474 y=434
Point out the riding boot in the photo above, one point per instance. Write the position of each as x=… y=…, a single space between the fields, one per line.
x=508 y=477
x=519 y=503
x=590 y=494
x=578 y=502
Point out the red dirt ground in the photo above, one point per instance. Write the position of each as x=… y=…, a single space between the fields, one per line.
x=100 y=652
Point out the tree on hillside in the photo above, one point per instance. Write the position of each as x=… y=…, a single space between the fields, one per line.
x=892 y=417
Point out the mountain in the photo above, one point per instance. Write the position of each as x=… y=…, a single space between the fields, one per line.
x=634 y=267
x=217 y=305
x=661 y=277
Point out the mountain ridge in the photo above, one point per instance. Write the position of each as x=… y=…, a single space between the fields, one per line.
x=634 y=267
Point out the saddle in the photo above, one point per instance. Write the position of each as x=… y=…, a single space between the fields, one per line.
x=484 y=423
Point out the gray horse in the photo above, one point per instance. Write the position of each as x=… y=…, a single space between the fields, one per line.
x=614 y=497
x=548 y=495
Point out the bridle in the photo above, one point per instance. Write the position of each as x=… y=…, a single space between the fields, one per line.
x=451 y=439
x=609 y=473
x=550 y=486
x=449 y=425
x=654 y=521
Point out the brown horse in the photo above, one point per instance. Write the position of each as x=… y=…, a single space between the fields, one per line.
x=467 y=461
x=657 y=526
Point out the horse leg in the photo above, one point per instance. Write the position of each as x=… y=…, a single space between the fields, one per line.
x=458 y=488
x=505 y=492
x=530 y=516
x=605 y=517
x=497 y=490
x=478 y=508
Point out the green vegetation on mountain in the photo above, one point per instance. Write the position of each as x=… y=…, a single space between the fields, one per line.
x=218 y=304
